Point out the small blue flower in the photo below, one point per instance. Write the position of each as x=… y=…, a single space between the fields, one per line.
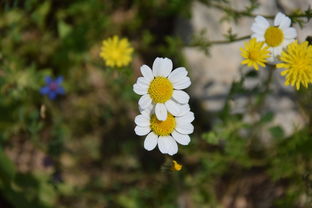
x=53 y=87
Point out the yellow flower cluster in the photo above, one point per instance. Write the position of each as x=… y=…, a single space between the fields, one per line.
x=296 y=59
x=278 y=46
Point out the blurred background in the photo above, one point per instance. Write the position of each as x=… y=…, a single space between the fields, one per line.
x=252 y=142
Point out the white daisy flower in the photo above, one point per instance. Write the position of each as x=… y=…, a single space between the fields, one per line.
x=166 y=134
x=276 y=37
x=162 y=88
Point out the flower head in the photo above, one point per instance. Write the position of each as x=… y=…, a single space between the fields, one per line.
x=165 y=133
x=161 y=88
x=176 y=166
x=116 y=52
x=53 y=87
x=297 y=62
x=276 y=36
x=255 y=53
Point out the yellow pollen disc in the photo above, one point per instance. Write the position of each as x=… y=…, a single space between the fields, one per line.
x=163 y=128
x=253 y=55
x=160 y=90
x=273 y=36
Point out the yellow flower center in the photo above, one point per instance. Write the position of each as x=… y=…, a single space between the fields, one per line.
x=115 y=54
x=163 y=128
x=273 y=36
x=301 y=64
x=253 y=55
x=160 y=90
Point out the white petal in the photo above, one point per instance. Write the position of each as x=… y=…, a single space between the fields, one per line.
x=282 y=21
x=165 y=67
x=186 y=118
x=285 y=23
x=162 y=67
x=278 y=18
x=185 y=128
x=184 y=109
x=150 y=141
x=262 y=22
x=182 y=84
x=145 y=101
x=142 y=120
x=147 y=72
x=181 y=138
x=172 y=146
x=161 y=111
x=141 y=131
x=147 y=111
x=140 y=83
x=256 y=28
x=156 y=66
x=139 y=89
x=162 y=144
x=177 y=74
x=287 y=42
x=258 y=37
x=277 y=51
x=167 y=145
x=272 y=58
x=173 y=107
x=143 y=81
x=181 y=96
x=290 y=33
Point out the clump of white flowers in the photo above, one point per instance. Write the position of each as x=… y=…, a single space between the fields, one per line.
x=165 y=114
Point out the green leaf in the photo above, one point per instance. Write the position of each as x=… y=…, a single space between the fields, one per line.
x=41 y=12
x=26 y=180
x=266 y=118
x=63 y=29
x=252 y=74
x=211 y=138
x=277 y=132
x=7 y=168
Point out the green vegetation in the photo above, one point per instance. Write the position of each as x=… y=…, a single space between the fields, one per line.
x=80 y=149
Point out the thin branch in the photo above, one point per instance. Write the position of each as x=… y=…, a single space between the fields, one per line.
x=216 y=42
x=238 y=13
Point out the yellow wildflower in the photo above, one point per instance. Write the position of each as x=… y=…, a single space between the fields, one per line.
x=116 y=52
x=297 y=62
x=255 y=53
x=176 y=166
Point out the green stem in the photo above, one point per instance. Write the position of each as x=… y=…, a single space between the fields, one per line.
x=248 y=14
x=216 y=42
x=266 y=90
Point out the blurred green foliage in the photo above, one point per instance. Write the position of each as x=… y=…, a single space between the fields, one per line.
x=81 y=151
